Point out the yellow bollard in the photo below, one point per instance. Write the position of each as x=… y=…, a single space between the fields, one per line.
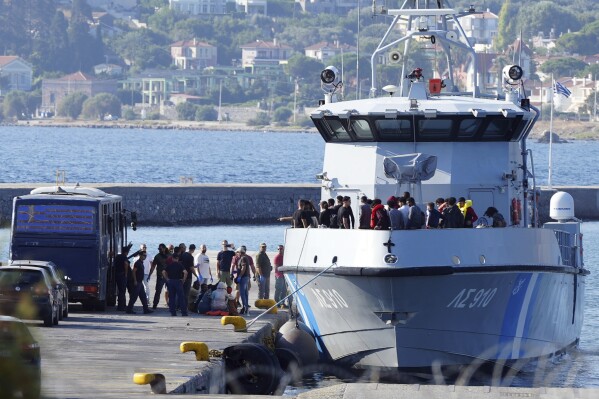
x=157 y=381
x=266 y=304
x=200 y=349
x=237 y=321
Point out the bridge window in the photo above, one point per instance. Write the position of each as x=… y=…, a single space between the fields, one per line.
x=361 y=129
x=394 y=129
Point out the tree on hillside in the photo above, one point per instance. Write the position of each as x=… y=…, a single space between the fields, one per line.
x=507 y=30
x=143 y=48
x=163 y=20
x=300 y=66
x=101 y=105
x=563 y=67
x=543 y=16
x=85 y=50
x=583 y=42
x=72 y=105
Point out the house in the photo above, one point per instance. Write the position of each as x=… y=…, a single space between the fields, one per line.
x=252 y=6
x=341 y=7
x=193 y=54
x=324 y=51
x=480 y=28
x=15 y=74
x=108 y=69
x=541 y=40
x=522 y=55
x=55 y=90
x=581 y=89
x=261 y=53
x=199 y=7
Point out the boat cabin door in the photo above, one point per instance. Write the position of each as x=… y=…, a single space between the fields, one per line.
x=481 y=200
x=355 y=195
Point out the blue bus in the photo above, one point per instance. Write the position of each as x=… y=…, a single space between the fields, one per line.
x=80 y=229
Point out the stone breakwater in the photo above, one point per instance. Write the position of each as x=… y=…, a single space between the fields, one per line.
x=191 y=204
x=210 y=204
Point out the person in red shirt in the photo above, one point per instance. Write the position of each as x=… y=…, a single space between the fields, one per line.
x=280 y=284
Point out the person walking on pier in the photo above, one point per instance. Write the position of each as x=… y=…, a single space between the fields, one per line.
x=175 y=274
x=263 y=269
x=138 y=285
x=147 y=267
x=159 y=263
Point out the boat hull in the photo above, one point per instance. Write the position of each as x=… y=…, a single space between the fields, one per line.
x=441 y=316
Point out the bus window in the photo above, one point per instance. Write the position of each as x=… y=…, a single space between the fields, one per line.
x=50 y=218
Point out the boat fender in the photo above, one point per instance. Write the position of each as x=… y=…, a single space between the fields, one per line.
x=290 y=363
x=290 y=325
x=300 y=342
x=251 y=368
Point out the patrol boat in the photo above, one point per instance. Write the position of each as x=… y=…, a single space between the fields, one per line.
x=427 y=298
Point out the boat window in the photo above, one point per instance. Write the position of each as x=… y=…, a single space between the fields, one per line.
x=435 y=128
x=322 y=129
x=361 y=129
x=338 y=132
x=469 y=127
x=497 y=128
x=395 y=129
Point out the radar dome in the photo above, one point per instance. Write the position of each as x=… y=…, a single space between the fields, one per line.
x=561 y=207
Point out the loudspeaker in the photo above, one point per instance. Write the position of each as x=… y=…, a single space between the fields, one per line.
x=394 y=57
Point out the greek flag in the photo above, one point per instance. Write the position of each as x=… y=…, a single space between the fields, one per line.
x=559 y=88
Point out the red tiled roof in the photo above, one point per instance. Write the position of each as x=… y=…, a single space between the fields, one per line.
x=78 y=76
x=7 y=59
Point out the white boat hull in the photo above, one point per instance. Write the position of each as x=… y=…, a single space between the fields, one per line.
x=438 y=314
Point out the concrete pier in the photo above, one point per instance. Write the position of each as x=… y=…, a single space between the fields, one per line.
x=209 y=204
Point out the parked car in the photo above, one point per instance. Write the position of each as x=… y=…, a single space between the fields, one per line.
x=20 y=362
x=57 y=277
x=29 y=292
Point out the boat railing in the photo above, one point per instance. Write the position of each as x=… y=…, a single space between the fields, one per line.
x=567 y=247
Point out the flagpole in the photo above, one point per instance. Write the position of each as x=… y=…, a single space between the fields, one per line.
x=551 y=131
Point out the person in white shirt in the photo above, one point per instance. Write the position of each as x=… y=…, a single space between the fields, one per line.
x=202 y=265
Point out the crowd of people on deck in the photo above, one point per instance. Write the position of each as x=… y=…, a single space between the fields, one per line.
x=189 y=284
x=399 y=213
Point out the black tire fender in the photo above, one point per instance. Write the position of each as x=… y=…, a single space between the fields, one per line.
x=251 y=369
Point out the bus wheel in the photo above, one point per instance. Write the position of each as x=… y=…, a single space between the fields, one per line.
x=100 y=305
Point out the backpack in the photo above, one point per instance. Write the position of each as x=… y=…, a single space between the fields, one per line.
x=204 y=302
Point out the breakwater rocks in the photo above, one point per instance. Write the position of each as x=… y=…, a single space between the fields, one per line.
x=211 y=204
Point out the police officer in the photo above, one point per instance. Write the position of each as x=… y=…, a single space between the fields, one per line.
x=175 y=274
x=121 y=265
x=138 y=285
x=159 y=263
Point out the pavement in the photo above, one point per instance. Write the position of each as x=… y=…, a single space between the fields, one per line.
x=95 y=354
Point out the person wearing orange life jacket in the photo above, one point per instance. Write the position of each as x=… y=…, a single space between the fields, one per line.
x=469 y=215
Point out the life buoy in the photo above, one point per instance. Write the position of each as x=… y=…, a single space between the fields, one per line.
x=251 y=369
x=516 y=210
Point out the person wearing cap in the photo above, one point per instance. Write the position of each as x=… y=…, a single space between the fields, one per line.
x=121 y=271
x=263 y=269
x=147 y=266
x=223 y=263
x=138 y=286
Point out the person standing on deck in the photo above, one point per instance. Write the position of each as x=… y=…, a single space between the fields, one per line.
x=159 y=263
x=186 y=259
x=223 y=263
x=138 y=285
x=202 y=265
x=121 y=265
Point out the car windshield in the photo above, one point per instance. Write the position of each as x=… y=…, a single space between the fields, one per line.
x=20 y=277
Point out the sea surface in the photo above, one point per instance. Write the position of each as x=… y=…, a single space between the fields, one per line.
x=32 y=155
